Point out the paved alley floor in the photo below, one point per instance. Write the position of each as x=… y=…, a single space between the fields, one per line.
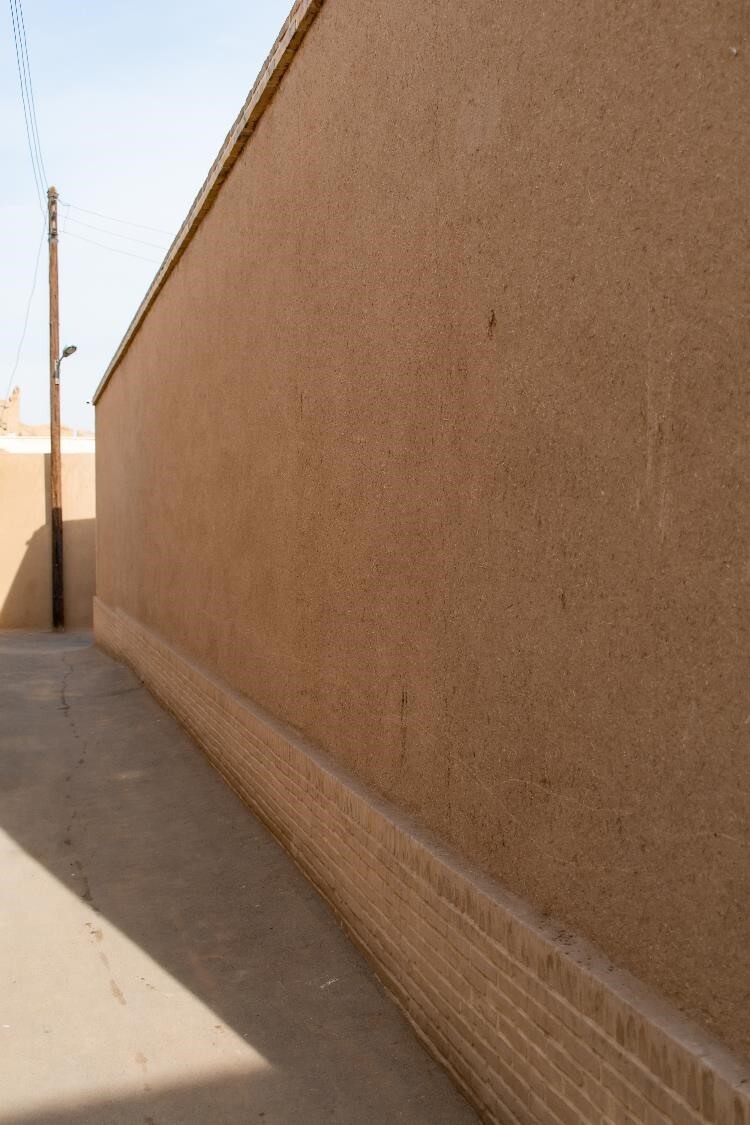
x=163 y=962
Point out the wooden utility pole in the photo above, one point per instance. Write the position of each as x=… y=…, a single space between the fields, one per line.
x=55 y=464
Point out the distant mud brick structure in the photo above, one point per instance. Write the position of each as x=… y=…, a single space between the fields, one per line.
x=453 y=590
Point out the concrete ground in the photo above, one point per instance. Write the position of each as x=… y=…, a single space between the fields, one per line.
x=163 y=962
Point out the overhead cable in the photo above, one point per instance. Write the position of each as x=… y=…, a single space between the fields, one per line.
x=112 y=233
x=112 y=219
x=27 y=99
x=32 y=101
x=114 y=249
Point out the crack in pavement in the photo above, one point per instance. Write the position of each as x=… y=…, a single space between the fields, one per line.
x=69 y=840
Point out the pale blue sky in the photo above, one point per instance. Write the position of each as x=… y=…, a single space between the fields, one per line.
x=133 y=102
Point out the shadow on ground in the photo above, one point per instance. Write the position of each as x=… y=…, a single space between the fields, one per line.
x=103 y=790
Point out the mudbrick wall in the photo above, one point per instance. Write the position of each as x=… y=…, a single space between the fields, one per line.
x=533 y=1024
x=26 y=543
x=465 y=299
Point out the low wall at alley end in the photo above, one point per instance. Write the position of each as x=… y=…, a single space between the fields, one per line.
x=26 y=538
x=422 y=502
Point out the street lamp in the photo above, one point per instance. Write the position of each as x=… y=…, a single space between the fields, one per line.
x=65 y=353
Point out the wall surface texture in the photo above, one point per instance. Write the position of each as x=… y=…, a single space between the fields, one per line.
x=469 y=317
x=535 y=1027
x=26 y=545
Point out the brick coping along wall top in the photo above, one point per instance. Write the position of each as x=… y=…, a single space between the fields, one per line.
x=533 y=1025
x=273 y=70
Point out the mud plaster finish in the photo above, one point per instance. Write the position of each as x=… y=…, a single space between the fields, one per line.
x=469 y=320
x=26 y=544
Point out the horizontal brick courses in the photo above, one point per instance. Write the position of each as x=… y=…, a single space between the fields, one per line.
x=533 y=1028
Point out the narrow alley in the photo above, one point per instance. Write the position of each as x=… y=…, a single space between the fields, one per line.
x=164 y=962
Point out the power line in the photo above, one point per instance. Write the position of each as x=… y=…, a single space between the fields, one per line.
x=21 y=76
x=124 y=222
x=26 y=100
x=19 y=31
x=35 y=125
x=114 y=249
x=111 y=233
x=25 y=325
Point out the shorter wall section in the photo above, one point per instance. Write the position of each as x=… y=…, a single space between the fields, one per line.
x=26 y=541
x=532 y=1024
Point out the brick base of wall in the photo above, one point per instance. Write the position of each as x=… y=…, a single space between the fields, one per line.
x=532 y=1029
